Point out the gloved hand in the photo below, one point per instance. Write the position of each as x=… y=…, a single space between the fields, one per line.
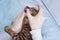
x=17 y=25
x=36 y=21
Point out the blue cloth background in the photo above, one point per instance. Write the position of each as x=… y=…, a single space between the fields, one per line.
x=9 y=9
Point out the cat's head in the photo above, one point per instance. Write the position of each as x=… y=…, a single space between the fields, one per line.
x=33 y=10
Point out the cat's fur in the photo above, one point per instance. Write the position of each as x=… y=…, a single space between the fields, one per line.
x=25 y=32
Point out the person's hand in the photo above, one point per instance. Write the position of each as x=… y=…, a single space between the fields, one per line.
x=17 y=25
x=36 y=21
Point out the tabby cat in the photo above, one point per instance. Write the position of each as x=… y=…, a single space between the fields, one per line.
x=25 y=32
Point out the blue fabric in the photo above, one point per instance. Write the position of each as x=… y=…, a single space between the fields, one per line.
x=54 y=8
x=5 y=36
x=9 y=9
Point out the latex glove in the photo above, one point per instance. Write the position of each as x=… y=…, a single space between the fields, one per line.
x=36 y=21
x=17 y=25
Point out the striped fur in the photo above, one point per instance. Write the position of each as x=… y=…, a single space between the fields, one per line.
x=25 y=32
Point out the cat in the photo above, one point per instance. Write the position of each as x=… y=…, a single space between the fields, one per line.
x=24 y=34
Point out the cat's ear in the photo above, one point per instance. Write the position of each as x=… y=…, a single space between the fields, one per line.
x=38 y=7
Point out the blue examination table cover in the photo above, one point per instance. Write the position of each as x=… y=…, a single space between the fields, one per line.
x=9 y=9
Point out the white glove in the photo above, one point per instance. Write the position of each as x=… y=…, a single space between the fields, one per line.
x=17 y=25
x=36 y=21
